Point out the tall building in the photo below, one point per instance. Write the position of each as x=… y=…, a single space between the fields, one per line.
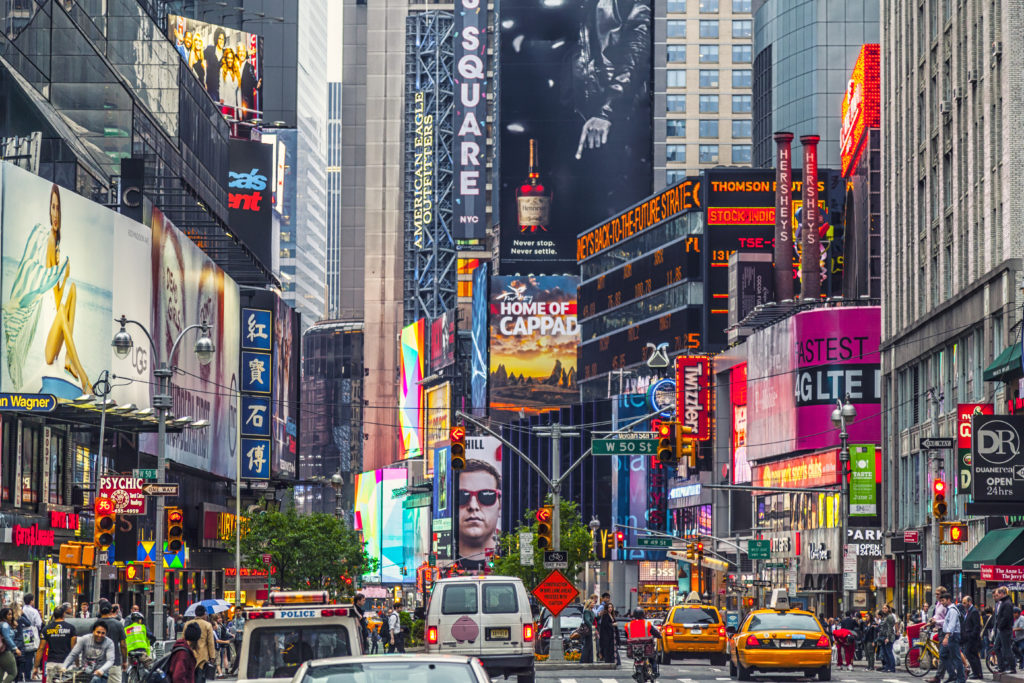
x=702 y=76
x=803 y=52
x=334 y=123
x=952 y=100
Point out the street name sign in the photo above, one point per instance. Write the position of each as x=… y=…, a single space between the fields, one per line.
x=654 y=542
x=759 y=549
x=624 y=446
x=556 y=559
x=555 y=592
x=149 y=474
x=160 y=489
x=929 y=443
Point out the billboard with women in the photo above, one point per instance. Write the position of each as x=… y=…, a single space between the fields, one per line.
x=228 y=62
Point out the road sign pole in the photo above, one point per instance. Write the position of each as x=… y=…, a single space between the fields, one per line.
x=555 y=644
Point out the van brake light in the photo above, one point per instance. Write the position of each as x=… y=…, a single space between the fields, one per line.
x=432 y=635
x=527 y=633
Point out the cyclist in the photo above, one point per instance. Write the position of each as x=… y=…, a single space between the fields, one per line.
x=96 y=652
x=137 y=640
x=639 y=629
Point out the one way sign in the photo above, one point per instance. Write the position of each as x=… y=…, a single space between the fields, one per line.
x=160 y=489
x=931 y=443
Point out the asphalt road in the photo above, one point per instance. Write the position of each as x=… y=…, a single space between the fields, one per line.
x=698 y=670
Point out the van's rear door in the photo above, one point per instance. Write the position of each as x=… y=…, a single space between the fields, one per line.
x=458 y=621
x=501 y=614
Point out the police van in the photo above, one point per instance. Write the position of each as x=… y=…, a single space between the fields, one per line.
x=292 y=628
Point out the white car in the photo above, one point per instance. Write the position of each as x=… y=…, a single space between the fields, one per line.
x=410 y=668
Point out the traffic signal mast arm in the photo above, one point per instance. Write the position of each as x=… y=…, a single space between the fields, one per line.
x=660 y=534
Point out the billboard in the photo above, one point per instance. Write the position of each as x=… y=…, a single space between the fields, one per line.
x=469 y=200
x=437 y=420
x=379 y=516
x=228 y=62
x=533 y=343
x=479 y=501
x=693 y=394
x=800 y=367
x=739 y=472
x=861 y=106
x=442 y=341
x=575 y=129
x=189 y=288
x=409 y=401
x=478 y=363
x=965 y=413
x=250 y=196
x=285 y=395
x=443 y=504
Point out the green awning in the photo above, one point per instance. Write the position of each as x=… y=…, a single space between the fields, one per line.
x=1005 y=363
x=1001 y=546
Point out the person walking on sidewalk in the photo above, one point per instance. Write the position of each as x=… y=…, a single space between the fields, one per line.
x=1004 y=632
x=949 y=652
x=397 y=633
x=887 y=634
x=972 y=636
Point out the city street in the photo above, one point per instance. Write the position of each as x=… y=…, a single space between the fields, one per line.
x=697 y=670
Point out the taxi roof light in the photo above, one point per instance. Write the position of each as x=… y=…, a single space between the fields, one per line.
x=693 y=598
x=779 y=600
x=298 y=598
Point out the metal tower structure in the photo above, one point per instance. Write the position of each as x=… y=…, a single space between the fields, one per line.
x=430 y=272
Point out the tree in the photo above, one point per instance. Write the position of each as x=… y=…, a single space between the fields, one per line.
x=307 y=552
x=575 y=540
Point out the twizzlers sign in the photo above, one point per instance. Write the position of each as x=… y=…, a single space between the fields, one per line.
x=469 y=201
x=693 y=394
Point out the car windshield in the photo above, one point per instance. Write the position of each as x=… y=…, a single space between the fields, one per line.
x=277 y=651
x=385 y=671
x=774 y=621
x=694 y=615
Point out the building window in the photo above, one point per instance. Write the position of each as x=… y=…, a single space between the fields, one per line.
x=709 y=128
x=741 y=28
x=676 y=53
x=741 y=104
x=676 y=103
x=31 y=444
x=673 y=176
x=675 y=128
x=709 y=154
x=741 y=78
x=709 y=78
x=676 y=28
x=677 y=78
x=709 y=104
x=741 y=54
x=708 y=28
x=676 y=6
x=741 y=154
x=741 y=128
x=709 y=54
x=709 y=6
x=675 y=152
x=739 y=6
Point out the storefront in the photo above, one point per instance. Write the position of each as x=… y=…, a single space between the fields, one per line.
x=28 y=557
x=657 y=588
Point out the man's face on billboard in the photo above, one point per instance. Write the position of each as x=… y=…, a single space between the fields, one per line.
x=479 y=508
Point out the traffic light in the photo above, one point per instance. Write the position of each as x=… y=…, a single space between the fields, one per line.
x=954 y=533
x=690 y=554
x=135 y=573
x=666 y=443
x=103 y=529
x=457 y=436
x=939 y=506
x=175 y=530
x=620 y=539
x=544 y=528
x=686 y=445
x=700 y=550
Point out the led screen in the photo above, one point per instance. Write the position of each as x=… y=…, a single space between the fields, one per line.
x=410 y=401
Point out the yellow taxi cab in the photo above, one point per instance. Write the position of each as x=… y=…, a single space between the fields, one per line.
x=780 y=639
x=693 y=629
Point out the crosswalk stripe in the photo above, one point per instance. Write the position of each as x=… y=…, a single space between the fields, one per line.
x=569 y=680
x=723 y=678
x=891 y=680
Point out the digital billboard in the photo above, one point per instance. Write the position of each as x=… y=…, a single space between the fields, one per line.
x=442 y=341
x=478 y=363
x=250 y=196
x=861 y=106
x=228 y=62
x=442 y=503
x=533 y=344
x=410 y=399
x=739 y=472
x=575 y=129
x=469 y=196
x=287 y=349
x=437 y=420
x=479 y=502
x=378 y=515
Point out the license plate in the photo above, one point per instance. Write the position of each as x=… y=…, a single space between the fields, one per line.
x=695 y=631
x=498 y=634
x=787 y=643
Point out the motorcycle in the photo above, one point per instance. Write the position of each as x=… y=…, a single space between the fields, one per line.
x=572 y=645
x=642 y=653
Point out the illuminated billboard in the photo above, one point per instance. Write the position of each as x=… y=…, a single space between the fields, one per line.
x=379 y=516
x=410 y=400
x=576 y=128
x=533 y=340
x=469 y=203
x=442 y=341
x=228 y=62
x=479 y=502
x=861 y=107
x=478 y=363
x=437 y=420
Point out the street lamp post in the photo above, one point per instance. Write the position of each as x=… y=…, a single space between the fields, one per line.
x=336 y=483
x=204 y=350
x=843 y=414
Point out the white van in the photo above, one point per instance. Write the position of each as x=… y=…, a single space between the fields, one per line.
x=487 y=617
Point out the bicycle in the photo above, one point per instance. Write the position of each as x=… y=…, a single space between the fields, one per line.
x=138 y=666
x=72 y=674
x=923 y=655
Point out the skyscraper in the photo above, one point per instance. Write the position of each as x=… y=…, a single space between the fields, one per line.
x=334 y=159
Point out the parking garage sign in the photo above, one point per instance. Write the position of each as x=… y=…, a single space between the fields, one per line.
x=997 y=462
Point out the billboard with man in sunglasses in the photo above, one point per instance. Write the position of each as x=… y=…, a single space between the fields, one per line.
x=479 y=498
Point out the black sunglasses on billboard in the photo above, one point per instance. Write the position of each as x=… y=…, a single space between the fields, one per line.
x=485 y=497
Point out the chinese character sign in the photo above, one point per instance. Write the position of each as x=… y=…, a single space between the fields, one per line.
x=256 y=329
x=255 y=459
x=255 y=416
x=256 y=373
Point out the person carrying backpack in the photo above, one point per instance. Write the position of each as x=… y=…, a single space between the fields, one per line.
x=180 y=664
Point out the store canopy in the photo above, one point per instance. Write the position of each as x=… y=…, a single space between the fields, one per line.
x=1001 y=546
x=1005 y=363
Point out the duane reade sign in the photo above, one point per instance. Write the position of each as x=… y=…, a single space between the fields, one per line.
x=997 y=462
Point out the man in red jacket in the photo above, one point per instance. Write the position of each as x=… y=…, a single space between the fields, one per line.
x=182 y=666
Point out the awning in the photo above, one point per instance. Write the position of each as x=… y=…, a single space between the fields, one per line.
x=1001 y=546
x=1005 y=363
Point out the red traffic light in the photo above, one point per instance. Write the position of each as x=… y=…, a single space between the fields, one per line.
x=544 y=515
x=457 y=434
x=700 y=547
x=619 y=536
x=665 y=430
x=939 y=487
x=104 y=506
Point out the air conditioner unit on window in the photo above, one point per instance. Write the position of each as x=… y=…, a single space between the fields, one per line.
x=997 y=49
x=945 y=107
x=972 y=75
